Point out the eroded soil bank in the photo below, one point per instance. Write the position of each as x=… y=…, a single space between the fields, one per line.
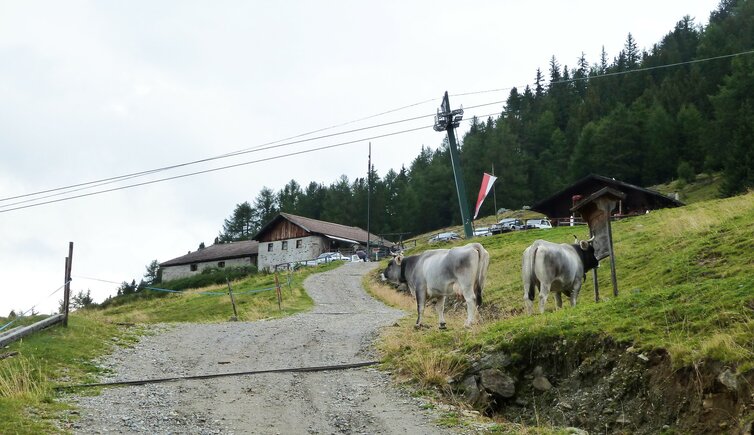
x=601 y=386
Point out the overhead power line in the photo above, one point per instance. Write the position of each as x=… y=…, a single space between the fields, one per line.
x=221 y=168
x=65 y=190
x=265 y=147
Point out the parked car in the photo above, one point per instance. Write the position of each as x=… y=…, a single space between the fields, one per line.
x=539 y=223
x=444 y=237
x=498 y=229
x=482 y=232
x=510 y=224
x=328 y=257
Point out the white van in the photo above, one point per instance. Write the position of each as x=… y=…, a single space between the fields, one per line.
x=542 y=224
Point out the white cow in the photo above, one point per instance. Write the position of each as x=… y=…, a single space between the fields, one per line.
x=556 y=267
x=438 y=273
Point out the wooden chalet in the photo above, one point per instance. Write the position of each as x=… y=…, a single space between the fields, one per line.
x=638 y=200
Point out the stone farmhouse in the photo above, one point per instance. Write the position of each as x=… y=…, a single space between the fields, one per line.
x=221 y=255
x=290 y=239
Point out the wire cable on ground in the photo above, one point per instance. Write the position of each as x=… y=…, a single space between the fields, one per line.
x=220 y=375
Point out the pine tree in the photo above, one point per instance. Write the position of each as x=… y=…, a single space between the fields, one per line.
x=265 y=209
x=240 y=225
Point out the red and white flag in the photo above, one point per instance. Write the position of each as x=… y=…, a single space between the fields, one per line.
x=484 y=189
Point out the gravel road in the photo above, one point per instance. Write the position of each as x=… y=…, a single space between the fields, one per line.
x=339 y=330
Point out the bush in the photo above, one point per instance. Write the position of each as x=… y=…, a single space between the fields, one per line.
x=686 y=173
x=209 y=276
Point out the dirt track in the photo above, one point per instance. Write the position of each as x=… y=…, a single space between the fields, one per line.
x=338 y=330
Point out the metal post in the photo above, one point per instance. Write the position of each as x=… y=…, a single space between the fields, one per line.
x=448 y=120
x=369 y=192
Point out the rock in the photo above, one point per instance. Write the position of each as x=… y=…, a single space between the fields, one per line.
x=708 y=403
x=540 y=382
x=470 y=389
x=729 y=379
x=496 y=360
x=497 y=383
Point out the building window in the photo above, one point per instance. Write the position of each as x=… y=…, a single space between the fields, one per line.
x=284 y=246
x=194 y=267
x=269 y=247
x=220 y=264
x=299 y=243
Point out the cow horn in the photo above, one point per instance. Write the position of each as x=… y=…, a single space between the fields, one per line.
x=591 y=239
x=584 y=244
x=575 y=239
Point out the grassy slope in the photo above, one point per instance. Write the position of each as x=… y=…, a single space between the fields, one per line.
x=685 y=275
x=704 y=188
x=65 y=355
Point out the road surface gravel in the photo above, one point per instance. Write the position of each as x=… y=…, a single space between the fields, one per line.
x=339 y=330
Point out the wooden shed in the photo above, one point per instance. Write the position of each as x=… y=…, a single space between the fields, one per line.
x=638 y=200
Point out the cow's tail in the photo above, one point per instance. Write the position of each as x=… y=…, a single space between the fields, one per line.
x=484 y=262
x=528 y=271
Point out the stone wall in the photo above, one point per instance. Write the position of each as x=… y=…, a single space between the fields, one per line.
x=311 y=247
x=170 y=273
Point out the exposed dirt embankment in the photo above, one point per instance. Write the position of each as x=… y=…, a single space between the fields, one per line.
x=606 y=387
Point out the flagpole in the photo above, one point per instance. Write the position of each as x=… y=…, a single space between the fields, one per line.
x=494 y=195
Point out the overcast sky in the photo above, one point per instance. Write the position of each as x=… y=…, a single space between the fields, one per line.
x=92 y=90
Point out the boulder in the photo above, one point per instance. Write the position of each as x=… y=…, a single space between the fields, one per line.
x=729 y=379
x=497 y=383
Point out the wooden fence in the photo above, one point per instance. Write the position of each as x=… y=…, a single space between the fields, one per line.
x=62 y=318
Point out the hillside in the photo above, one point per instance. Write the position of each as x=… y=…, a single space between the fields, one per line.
x=685 y=304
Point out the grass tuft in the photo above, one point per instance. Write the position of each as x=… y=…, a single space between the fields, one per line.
x=23 y=378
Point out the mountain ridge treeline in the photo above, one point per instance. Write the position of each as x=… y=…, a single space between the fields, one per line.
x=683 y=107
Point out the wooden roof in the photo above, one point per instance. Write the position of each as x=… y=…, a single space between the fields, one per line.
x=220 y=251
x=638 y=199
x=322 y=228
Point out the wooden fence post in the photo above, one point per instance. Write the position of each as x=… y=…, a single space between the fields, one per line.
x=67 y=291
x=277 y=291
x=232 y=301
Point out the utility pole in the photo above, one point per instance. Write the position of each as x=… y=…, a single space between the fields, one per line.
x=369 y=195
x=447 y=120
